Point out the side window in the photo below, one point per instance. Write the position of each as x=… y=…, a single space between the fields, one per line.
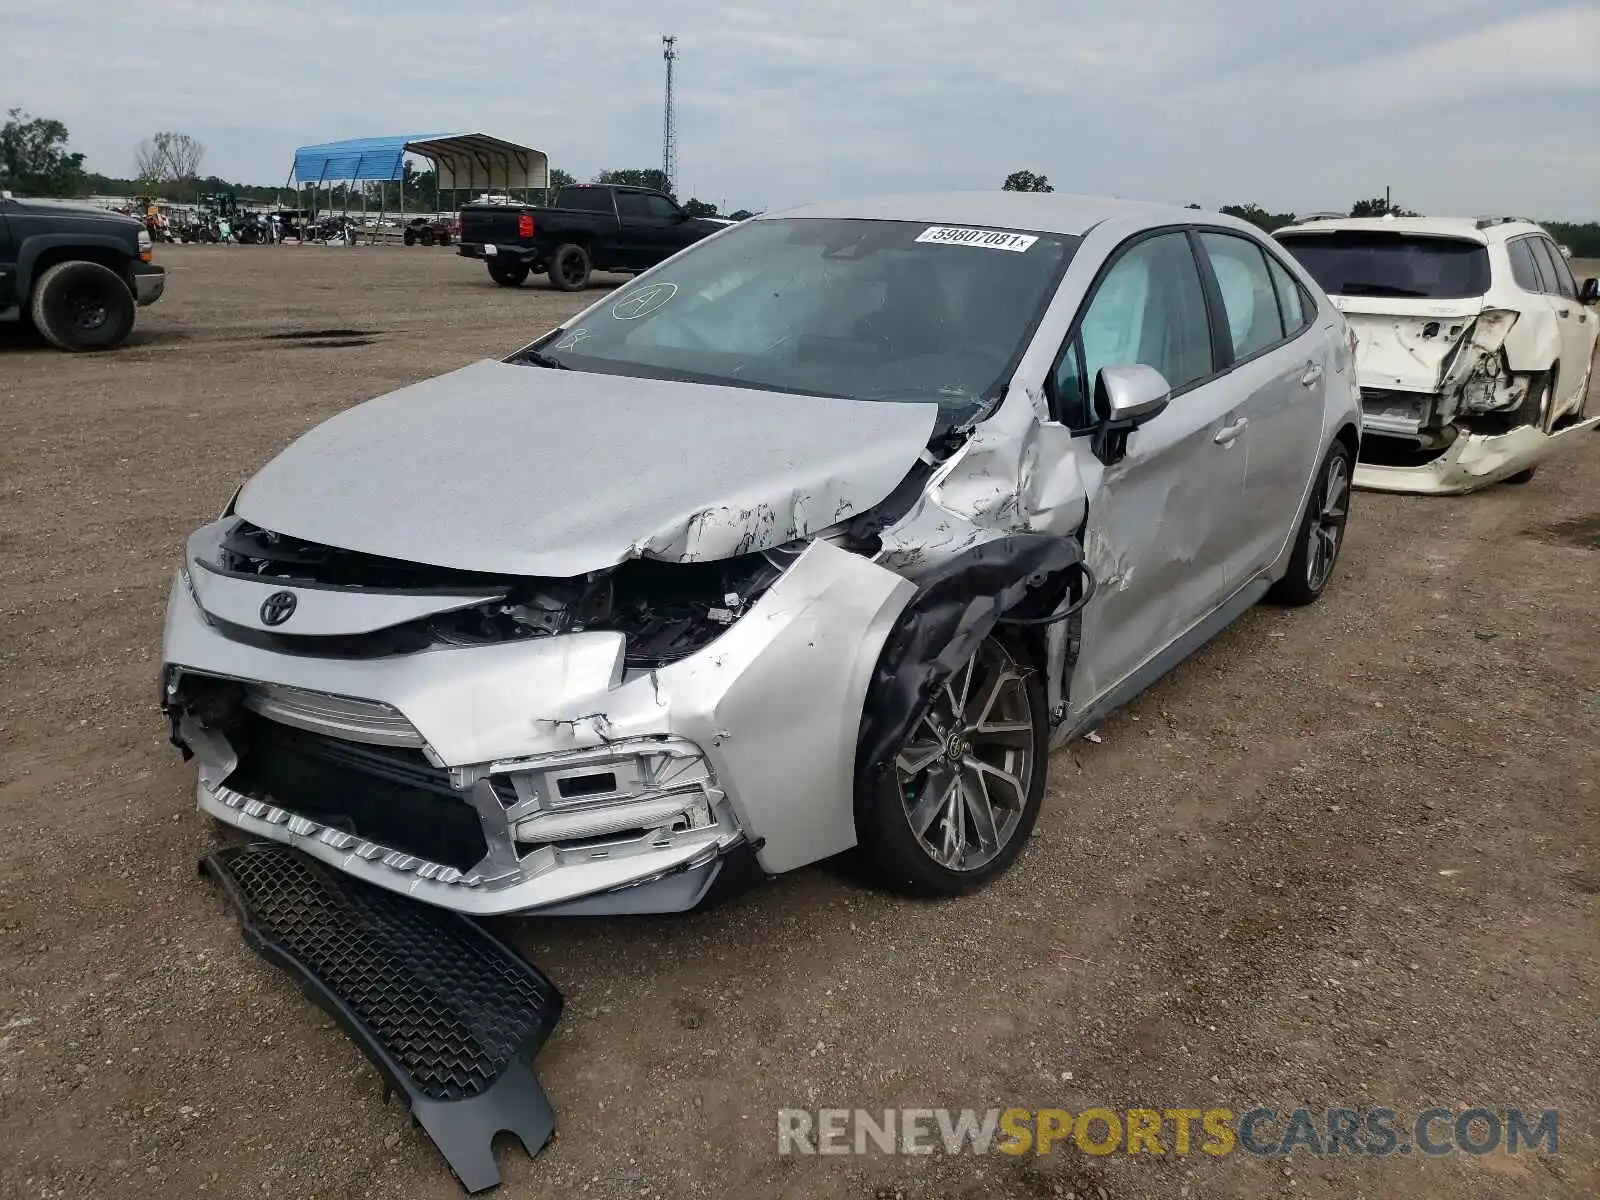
x=1556 y=269
x=1297 y=308
x=661 y=208
x=1247 y=294
x=1149 y=309
x=631 y=206
x=1523 y=268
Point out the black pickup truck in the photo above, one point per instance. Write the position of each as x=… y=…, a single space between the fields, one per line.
x=590 y=227
x=76 y=273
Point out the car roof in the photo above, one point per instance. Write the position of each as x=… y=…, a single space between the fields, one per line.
x=1037 y=212
x=1473 y=229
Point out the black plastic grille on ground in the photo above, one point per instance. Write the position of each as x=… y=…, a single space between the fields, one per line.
x=449 y=1014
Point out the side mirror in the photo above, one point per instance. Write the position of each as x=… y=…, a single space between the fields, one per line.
x=1589 y=293
x=1130 y=395
x=1124 y=399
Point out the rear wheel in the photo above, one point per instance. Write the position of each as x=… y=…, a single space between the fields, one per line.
x=1535 y=411
x=409 y=237
x=955 y=808
x=570 y=268
x=82 y=306
x=1321 y=535
x=507 y=274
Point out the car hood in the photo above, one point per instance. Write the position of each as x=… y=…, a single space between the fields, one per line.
x=525 y=470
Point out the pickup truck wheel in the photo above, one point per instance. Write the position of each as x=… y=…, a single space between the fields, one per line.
x=507 y=274
x=569 y=268
x=82 y=306
x=410 y=237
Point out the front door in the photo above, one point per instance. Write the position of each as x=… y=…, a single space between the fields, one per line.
x=1573 y=320
x=1279 y=376
x=1161 y=518
x=8 y=267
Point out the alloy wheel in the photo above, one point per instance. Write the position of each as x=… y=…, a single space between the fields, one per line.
x=1328 y=528
x=966 y=770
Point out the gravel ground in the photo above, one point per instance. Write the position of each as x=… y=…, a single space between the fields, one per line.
x=1344 y=856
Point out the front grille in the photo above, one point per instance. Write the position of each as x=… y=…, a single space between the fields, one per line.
x=448 y=1002
x=383 y=794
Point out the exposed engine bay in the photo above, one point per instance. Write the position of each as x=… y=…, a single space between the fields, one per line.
x=667 y=610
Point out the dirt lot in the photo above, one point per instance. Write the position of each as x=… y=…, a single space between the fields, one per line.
x=1344 y=856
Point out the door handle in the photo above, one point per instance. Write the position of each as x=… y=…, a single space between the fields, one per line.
x=1563 y=312
x=1312 y=376
x=1226 y=435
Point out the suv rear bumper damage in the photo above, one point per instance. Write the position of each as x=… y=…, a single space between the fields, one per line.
x=1472 y=461
x=542 y=774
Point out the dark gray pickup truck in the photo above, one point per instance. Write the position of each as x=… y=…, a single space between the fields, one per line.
x=77 y=274
x=590 y=227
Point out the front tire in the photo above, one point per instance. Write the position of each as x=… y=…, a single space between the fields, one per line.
x=82 y=306
x=509 y=274
x=570 y=268
x=957 y=805
x=1321 y=533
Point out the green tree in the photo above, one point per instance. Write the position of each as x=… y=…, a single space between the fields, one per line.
x=558 y=180
x=1026 y=181
x=699 y=208
x=34 y=157
x=1257 y=216
x=646 y=177
x=1379 y=206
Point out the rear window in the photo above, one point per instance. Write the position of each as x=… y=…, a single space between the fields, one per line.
x=587 y=198
x=1408 y=266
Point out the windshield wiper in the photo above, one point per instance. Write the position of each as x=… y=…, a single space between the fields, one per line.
x=539 y=358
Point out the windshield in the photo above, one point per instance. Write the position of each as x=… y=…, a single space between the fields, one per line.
x=871 y=310
x=1363 y=263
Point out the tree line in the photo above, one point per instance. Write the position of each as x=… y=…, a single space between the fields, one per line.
x=35 y=159
x=1583 y=239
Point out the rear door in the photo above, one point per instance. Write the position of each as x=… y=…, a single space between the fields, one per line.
x=1278 y=380
x=1162 y=518
x=1572 y=319
x=653 y=228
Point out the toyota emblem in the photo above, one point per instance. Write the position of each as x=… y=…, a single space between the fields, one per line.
x=278 y=608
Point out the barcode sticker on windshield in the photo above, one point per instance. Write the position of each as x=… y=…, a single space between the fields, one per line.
x=989 y=239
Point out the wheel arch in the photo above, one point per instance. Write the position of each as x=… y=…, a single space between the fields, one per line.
x=959 y=601
x=43 y=251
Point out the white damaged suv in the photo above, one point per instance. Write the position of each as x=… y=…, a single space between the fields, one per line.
x=1475 y=344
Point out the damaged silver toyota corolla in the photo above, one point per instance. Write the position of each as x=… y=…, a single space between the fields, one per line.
x=818 y=534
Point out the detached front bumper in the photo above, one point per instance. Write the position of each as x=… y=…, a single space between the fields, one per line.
x=149 y=282
x=1472 y=461
x=593 y=788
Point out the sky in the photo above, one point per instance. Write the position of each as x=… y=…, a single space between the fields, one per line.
x=1461 y=107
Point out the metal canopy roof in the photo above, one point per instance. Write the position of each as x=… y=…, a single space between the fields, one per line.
x=463 y=160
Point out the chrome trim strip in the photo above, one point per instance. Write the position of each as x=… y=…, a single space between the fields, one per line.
x=346 y=717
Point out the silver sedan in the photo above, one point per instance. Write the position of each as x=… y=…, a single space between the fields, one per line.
x=817 y=536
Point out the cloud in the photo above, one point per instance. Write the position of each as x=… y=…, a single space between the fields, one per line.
x=1458 y=105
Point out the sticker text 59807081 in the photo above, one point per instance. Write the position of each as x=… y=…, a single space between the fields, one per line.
x=988 y=239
